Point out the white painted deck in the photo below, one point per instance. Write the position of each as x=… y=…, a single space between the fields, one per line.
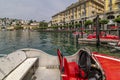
x=47 y=74
x=10 y=62
x=11 y=66
x=20 y=71
x=48 y=65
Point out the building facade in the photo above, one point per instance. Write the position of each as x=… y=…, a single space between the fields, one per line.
x=112 y=10
x=84 y=10
x=79 y=12
x=112 y=5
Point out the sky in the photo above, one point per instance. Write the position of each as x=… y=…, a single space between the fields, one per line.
x=32 y=9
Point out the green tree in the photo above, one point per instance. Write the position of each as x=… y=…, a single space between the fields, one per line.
x=31 y=21
x=77 y=25
x=70 y=26
x=118 y=24
x=103 y=22
x=64 y=26
x=88 y=22
x=18 y=28
x=43 y=25
x=117 y=20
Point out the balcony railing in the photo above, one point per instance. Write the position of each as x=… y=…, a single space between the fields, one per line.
x=99 y=1
x=117 y=1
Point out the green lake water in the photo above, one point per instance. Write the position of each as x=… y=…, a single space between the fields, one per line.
x=47 y=41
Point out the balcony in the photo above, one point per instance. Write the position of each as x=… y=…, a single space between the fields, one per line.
x=99 y=2
x=117 y=1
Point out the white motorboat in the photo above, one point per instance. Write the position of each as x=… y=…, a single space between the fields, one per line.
x=33 y=64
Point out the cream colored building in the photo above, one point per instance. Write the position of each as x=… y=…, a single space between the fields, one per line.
x=79 y=11
x=112 y=10
x=112 y=5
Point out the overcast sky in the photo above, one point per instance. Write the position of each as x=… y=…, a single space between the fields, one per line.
x=32 y=9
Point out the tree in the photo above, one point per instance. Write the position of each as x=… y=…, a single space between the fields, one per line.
x=77 y=24
x=118 y=23
x=103 y=22
x=70 y=26
x=117 y=20
x=31 y=21
x=64 y=26
x=43 y=24
x=88 y=22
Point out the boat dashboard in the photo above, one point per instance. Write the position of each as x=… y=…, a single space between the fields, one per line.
x=90 y=66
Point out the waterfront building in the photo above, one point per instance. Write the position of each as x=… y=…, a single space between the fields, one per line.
x=112 y=5
x=79 y=12
x=112 y=11
x=84 y=10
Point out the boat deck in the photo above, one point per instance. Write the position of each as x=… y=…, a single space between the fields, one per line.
x=93 y=41
x=46 y=67
x=44 y=73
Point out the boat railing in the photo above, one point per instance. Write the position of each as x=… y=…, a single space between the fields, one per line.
x=3 y=55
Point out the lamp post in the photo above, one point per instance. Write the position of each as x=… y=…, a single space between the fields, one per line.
x=97 y=32
x=82 y=30
x=119 y=31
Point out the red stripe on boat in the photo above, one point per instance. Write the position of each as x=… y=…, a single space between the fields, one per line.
x=111 y=66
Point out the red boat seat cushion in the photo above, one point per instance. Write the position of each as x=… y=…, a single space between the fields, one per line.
x=71 y=71
x=71 y=78
x=71 y=68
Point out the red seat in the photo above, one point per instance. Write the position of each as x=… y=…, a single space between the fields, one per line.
x=71 y=78
x=71 y=71
x=71 y=68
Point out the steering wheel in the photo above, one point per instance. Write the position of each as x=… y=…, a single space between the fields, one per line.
x=84 y=63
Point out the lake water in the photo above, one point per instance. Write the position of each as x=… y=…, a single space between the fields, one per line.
x=47 y=41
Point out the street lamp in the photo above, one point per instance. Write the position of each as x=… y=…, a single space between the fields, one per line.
x=97 y=32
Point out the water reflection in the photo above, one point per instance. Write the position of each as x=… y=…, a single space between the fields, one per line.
x=46 y=41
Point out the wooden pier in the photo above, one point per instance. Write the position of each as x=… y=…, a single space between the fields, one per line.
x=93 y=41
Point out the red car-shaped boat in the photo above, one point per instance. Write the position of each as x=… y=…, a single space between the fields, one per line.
x=87 y=65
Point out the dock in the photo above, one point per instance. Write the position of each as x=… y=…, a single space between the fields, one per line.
x=93 y=41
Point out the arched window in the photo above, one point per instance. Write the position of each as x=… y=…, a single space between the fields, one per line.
x=110 y=17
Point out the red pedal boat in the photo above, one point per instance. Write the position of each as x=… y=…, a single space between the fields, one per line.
x=87 y=65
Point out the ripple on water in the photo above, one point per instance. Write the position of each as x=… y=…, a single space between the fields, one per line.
x=46 y=41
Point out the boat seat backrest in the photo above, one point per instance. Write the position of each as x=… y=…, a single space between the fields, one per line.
x=9 y=63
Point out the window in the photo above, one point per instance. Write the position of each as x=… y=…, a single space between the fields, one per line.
x=110 y=5
x=119 y=6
